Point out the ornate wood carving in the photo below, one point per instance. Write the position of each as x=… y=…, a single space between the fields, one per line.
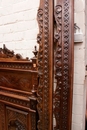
x=63 y=64
x=45 y=64
x=2 y=116
x=6 y=53
x=18 y=86
x=33 y=122
x=16 y=119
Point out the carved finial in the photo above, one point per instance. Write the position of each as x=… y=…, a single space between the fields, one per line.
x=35 y=51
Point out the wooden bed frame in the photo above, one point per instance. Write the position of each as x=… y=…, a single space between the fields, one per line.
x=18 y=86
x=20 y=79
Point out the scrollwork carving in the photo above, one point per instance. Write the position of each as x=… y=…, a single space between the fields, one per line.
x=58 y=64
x=62 y=94
x=40 y=68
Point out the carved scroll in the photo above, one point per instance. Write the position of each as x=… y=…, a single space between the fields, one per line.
x=45 y=63
x=63 y=64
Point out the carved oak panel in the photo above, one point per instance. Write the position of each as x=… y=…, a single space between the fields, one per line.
x=18 y=86
x=2 y=117
x=59 y=102
x=45 y=64
x=63 y=64
x=18 y=79
x=16 y=119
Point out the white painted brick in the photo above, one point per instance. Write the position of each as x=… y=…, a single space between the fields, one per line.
x=78 y=66
x=79 y=55
x=24 y=25
x=76 y=126
x=30 y=14
x=31 y=34
x=13 y=37
x=77 y=109
x=79 y=5
x=7 y=2
x=1 y=21
x=26 y=45
x=78 y=78
x=1 y=37
x=26 y=5
x=79 y=46
x=6 y=29
x=10 y=2
x=77 y=118
x=78 y=89
x=78 y=100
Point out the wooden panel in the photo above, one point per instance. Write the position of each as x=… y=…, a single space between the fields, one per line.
x=20 y=80
x=63 y=64
x=18 y=86
x=16 y=119
x=2 y=117
x=45 y=64
x=64 y=40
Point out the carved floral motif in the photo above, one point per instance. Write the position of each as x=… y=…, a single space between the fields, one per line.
x=58 y=65
x=40 y=68
x=62 y=108
x=43 y=66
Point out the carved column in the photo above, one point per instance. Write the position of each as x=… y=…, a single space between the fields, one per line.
x=62 y=105
x=45 y=64
x=63 y=64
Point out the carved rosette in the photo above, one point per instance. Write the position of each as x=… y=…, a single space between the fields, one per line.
x=63 y=63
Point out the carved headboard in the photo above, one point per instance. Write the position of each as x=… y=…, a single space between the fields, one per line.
x=18 y=86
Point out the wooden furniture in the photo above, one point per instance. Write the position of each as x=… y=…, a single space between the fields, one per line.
x=18 y=85
x=56 y=29
x=18 y=77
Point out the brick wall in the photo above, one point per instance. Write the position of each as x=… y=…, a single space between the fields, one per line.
x=18 y=25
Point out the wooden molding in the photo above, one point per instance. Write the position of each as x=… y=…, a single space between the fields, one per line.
x=64 y=64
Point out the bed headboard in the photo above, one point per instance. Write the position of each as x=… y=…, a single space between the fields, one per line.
x=16 y=72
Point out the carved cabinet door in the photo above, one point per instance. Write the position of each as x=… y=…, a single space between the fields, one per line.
x=15 y=118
